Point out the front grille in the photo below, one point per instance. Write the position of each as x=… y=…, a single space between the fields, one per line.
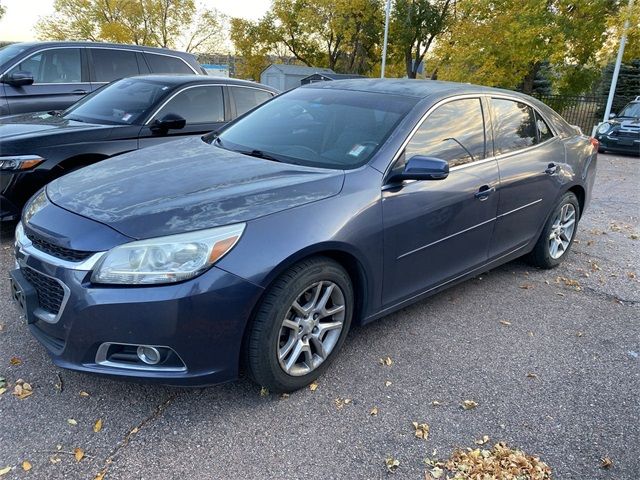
x=626 y=134
x=50 y=292
x=56 y=251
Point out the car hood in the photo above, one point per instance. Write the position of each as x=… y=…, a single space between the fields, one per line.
x=37 y=124
x=188 y=185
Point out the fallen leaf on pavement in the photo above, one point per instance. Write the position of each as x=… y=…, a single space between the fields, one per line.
x=342 y=402
x=78 y=453
x=569 y=283
x=386 y=361
x=435 y=403
x=606 y=462
x=435 y=473
x=526 y=286
x=26 y=465
x=532 y=375
x=100 y=475
x=72 y=421
x=469 y=404
x=284 y=396
x=392 y=464
x=83 y=393
x=483 y=440
x=373 y=411
x=5 y=470
x=313 y=386
x=15 y=361
x=421 y=430
x=504 y=322
x=387 y=383
x=264 y=392
x=22 y=389
x=55 y=459
x=97 y=426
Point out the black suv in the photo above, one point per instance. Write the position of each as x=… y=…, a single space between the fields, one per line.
x=621 y=133
x=43 y=76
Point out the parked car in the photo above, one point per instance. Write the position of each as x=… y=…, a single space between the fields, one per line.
x=622 y=132
x=125 y=115
x=332 y=204
x=41 y=76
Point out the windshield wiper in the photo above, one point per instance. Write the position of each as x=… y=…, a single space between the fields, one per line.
x=259 y=154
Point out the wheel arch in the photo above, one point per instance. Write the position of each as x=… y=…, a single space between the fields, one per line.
x=579 y=191
x=78 y=161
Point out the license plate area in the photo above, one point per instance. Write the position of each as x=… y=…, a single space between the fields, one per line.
x=23 y=294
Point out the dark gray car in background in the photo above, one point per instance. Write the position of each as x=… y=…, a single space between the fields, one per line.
x=44 y=76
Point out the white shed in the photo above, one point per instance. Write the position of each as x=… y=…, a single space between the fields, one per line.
x=285 y=77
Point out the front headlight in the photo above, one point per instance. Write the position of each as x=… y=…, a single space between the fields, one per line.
x=166 y=259
x=604 y=127
x=19 y=162
x=37 y=203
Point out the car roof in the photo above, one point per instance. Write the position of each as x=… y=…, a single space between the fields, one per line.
x=189 y=79
x=408 y=87
x=103 y=44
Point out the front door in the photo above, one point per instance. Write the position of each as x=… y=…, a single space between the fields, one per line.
x=59 y=80
x=202 y=107
x=436 y=230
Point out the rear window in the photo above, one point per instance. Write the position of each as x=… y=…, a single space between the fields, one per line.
x=247 y=98
x=166 y=64
x=111 y=65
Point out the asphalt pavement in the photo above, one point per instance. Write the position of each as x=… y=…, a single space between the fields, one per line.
x=552 y=359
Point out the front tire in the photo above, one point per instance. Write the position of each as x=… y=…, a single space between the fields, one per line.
x=300 y=325
x=558 y=233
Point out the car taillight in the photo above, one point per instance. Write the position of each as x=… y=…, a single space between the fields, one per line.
x=595 y=143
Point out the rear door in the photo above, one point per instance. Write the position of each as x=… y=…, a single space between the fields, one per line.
x=60 y=78
x=531 y=159
x=108 y=64
x=202 y=106
x=436 y=230
x=244 y=99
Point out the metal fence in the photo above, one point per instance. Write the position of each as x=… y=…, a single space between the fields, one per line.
x=585 y=111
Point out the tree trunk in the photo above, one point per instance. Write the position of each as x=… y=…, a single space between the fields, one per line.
x=529 y=78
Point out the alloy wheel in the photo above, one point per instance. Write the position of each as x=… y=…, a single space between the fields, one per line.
x=311 y=328
x=562 y=230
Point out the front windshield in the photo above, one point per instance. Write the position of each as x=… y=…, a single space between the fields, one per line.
x=317 y=127
x=631 y=110
x=10 y=52
x=124 y=102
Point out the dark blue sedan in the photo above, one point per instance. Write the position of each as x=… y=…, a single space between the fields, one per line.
x=258 y=247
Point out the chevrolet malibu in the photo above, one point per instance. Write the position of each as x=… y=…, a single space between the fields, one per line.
x=258 y=247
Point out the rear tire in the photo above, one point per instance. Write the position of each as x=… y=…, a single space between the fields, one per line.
x=558 y=233
x=300 y=325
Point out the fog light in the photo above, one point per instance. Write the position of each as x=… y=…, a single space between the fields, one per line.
x=149 y=355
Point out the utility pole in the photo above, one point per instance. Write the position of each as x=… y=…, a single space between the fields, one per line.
x=616 y=70
x=386 y=36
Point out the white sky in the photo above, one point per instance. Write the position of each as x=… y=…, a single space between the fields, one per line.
x=21 y=15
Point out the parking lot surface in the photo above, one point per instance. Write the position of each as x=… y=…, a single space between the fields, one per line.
x=552 y=359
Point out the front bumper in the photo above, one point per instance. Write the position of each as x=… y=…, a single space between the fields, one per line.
x=619 y=144
x=202 y=320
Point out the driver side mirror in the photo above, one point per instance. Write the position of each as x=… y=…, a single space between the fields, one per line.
x=19 y=79
x=170 y=121
x=612 y=115
x=420 y=167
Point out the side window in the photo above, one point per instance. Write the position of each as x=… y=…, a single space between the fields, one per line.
x=247 y=98
x=515 y=125
x=166 y=64
x=453 y=132
x=60 y=65
x=110 y=64
x=544 y=132
x=196 y=105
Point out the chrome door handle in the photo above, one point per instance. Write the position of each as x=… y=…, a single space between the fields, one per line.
x=80 y=92
x=483 y=192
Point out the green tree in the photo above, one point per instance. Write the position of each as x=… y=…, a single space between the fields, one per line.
x=506 y=42
x=415 y=24
x=3 y=9
x=161 y=23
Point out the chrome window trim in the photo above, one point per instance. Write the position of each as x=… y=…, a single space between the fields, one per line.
x=163 y=55
x=44 y=49
x=26 y=247
x=487 y=96
x=184 y=89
